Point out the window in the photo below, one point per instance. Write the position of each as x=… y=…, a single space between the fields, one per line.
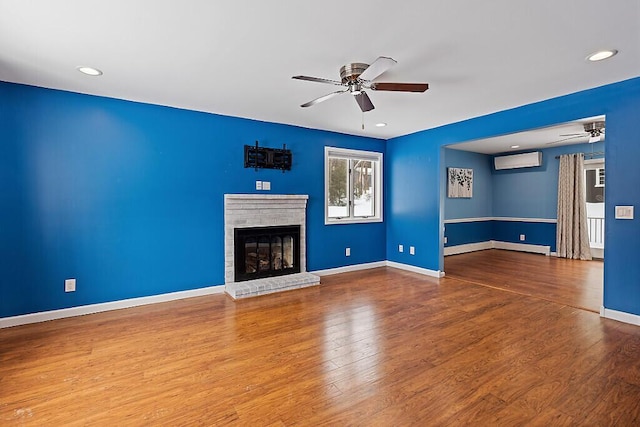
x=353 y=186
x=599 y=177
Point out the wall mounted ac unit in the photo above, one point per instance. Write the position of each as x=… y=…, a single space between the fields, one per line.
x=515 y=161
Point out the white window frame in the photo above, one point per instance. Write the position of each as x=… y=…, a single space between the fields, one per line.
x=598 y=183
x=596 y=165
x=349 y=154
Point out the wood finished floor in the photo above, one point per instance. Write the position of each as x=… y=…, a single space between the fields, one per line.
x=572 y=282
x=381 y=347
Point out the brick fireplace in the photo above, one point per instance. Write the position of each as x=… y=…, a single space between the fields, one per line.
x=246 y=213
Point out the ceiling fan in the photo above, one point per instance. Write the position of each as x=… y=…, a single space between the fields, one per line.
x=594 y=130
x=357 y=77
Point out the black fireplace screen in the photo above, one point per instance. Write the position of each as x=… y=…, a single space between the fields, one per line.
x=266 y=252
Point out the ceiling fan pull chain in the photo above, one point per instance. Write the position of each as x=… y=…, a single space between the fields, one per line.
x=363 y=120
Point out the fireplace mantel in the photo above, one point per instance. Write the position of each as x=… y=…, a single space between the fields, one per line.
x=264 y=210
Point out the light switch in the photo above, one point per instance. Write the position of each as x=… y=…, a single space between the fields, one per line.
x=266 y=185
x=412 y=250
x=624 y=212
x=70 y=285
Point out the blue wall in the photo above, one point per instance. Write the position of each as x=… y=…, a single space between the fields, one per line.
x=533 y=192
x=418 y=205
x=480 y=205
x=536 y=233
x=128 y=197
x=513 y=193
x=413 y=171
x=464 y=233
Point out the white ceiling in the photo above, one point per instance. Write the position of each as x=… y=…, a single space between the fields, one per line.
x=553 y=136
x=236 y=57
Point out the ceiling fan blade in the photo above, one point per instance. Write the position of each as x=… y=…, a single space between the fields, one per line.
x=318 y=80
x=364 y=102
x=574 y=134
x=401 y=87
x=323 y=98
x=378 y=67
x=566 y=139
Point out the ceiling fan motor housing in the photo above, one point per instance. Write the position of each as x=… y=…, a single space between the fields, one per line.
x=349 y=73
x=594 y=128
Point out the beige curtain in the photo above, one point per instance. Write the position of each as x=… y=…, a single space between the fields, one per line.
x=572 y=236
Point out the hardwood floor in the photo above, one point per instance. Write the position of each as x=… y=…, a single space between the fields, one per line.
x=374 y=348
x=565 y=281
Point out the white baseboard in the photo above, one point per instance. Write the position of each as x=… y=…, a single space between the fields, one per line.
x=25 y=319
x=522 y=247
x=348 y=268
x=44 y=316
x=501 y=218
x=419 y=270
x=357 y=267
x=494 y=244
x=620 y=316
x=469 y=247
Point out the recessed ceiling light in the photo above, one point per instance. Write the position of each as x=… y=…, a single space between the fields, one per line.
x=381 y=125
x=601 y=54
x=90 y=71
x=515 y=146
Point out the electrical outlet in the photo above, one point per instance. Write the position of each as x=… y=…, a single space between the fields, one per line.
x=412 y=250
x=258 y=185
x=70 y=285
x=347 y=252
x=445 y=239
x=400 y=248
x=522 y=237
x=266 y=185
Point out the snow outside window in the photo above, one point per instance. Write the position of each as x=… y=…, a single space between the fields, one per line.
x=353 y=186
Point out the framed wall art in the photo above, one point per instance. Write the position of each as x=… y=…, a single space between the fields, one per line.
x=460 y=183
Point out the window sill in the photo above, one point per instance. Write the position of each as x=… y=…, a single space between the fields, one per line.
x=351 y=221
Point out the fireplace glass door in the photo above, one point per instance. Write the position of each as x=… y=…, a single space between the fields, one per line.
x=266 y=251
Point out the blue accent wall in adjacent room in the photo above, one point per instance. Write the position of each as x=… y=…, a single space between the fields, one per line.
x=536 y=233
x=525 y=193
x=128 y=198
x=416 y=192
x=464 y=233
x=480 y=205
x=533 y=192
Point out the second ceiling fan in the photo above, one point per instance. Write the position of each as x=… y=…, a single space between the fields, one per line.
x=357 y=77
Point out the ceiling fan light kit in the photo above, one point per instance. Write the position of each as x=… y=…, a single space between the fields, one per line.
x=358 y=76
